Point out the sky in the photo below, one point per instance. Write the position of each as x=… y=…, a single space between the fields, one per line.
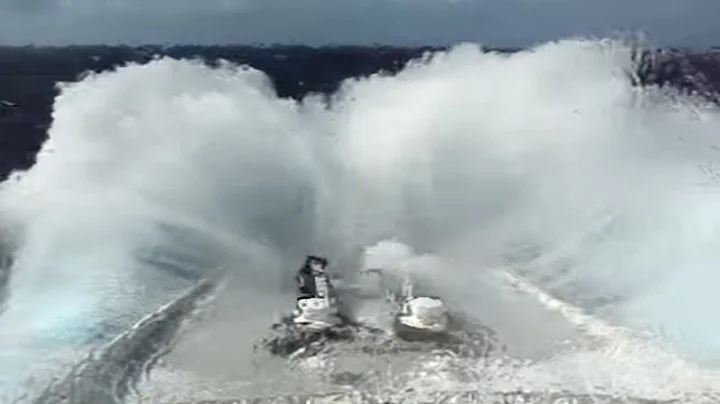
x=685 y=23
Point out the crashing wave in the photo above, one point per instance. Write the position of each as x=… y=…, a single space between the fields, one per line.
x=109 y=375
x=443 y=397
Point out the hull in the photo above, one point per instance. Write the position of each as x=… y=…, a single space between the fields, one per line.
x=315 y=314
x=411 y=330
x=422 y=318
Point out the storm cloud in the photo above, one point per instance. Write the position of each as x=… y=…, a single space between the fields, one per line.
x=316 y=22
